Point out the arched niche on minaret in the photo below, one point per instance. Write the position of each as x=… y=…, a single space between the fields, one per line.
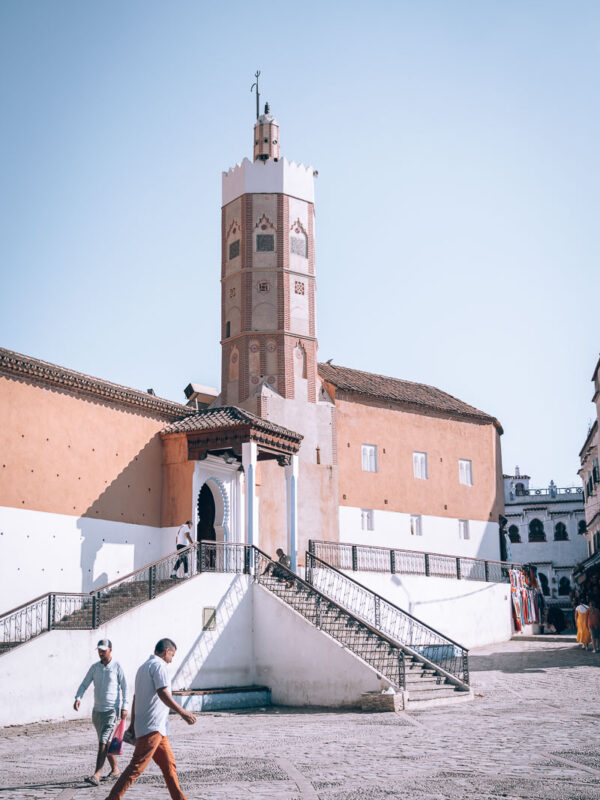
x=254 y=370
x=234 y=364
x=265 y=231
x=300 y=372
x=232 y=368
x=271 y=362
x=299 y=239
x=299 y=305
x=233 y=247
x=264 y=302
x=298 y=243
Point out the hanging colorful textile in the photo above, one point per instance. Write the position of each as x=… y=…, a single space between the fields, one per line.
x=524 y=592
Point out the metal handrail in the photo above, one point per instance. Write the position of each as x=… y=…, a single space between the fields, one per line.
x=158 y=561
x=41 y=597
x=312 y=557
x=509 y=564
x=24 y=622
x=392 y=642
x=486 y=563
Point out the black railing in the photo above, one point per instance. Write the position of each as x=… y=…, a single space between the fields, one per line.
x=387 y=618
x=367 y=558
x=384 y=655
x=84 y=611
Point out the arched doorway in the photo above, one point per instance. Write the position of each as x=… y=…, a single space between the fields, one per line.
x=205 y=529
x=564 y=586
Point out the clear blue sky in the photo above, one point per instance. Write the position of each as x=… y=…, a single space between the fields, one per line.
x=457 y=198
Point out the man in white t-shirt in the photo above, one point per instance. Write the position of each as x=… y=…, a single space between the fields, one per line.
x=149 y=722
x=183 y=539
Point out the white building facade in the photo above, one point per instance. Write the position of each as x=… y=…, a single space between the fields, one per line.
x=546 y=527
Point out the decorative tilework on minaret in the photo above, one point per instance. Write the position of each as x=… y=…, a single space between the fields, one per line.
x=268 y=274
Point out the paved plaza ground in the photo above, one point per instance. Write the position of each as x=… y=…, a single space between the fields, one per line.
x=532 y=732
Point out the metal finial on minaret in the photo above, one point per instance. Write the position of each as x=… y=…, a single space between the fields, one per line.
x=267 y=108
x=256 y=75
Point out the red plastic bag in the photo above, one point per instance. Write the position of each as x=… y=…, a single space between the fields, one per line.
x=116 y=746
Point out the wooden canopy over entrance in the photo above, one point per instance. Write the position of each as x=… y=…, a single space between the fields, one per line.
x=220 y=431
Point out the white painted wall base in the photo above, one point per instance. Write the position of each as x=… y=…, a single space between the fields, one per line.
x=43 y=552
x=257 y=640
x=44 y=674
x=472 y=613
x=439 y=534
x=303 y=666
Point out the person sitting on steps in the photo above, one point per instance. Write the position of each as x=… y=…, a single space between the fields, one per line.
x=282 y=573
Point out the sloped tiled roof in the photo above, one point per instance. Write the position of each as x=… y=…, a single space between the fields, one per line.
x=21 y=366
x=416 y=395
x=227 y=417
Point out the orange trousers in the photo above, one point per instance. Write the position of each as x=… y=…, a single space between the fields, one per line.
x=153 y=746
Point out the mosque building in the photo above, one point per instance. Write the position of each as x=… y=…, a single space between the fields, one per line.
x=96 y=477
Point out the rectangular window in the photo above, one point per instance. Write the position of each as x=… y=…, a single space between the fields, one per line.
x=465 y=471
x=265 y=242
x=367 y=522
x=463 y=529
x=369 y=457
x=416 y=528
x=234 y=249
x=420 y=465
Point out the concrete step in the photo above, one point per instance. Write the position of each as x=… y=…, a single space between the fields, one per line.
x=427 y=693
x=224 y=698
x=420 y=680
x=435 y=701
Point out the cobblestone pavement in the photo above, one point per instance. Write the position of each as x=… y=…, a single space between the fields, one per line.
x=531 y=732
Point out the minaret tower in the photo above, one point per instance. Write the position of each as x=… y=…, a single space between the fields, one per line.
x=268 y=275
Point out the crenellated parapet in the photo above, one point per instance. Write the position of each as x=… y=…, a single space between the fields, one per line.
x=269 y=177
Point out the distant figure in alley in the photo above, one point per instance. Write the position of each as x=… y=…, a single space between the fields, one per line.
x=110 y=699
x=149 y=722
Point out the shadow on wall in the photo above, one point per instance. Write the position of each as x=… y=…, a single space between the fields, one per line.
x=133 y=498
x=412 y=606
x=209 y=660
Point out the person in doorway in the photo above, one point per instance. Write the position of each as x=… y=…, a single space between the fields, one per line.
x=149 y=722
x=110 y=700
x=583 y=632
x=593 y=623
x=183 y=539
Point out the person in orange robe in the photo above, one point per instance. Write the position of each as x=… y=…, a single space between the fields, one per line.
x=583 y=632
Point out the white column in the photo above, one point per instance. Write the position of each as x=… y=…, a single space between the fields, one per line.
x=291 y=491
x=249 y=456
x=237 y=510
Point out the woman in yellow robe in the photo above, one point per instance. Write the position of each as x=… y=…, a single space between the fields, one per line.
x=584 y=636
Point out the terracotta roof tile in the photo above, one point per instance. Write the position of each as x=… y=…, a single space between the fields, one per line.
x=18 y=365
x=417 y=395
x=227 y=417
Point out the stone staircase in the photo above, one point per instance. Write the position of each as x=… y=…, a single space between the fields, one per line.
x=425 y=665
x=424 y=684
x=112 y=603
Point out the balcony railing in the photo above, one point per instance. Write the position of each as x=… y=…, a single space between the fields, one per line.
x=551 y=491
x=366 y=558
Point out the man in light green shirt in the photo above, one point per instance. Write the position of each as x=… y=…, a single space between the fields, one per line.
x=110 y=699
